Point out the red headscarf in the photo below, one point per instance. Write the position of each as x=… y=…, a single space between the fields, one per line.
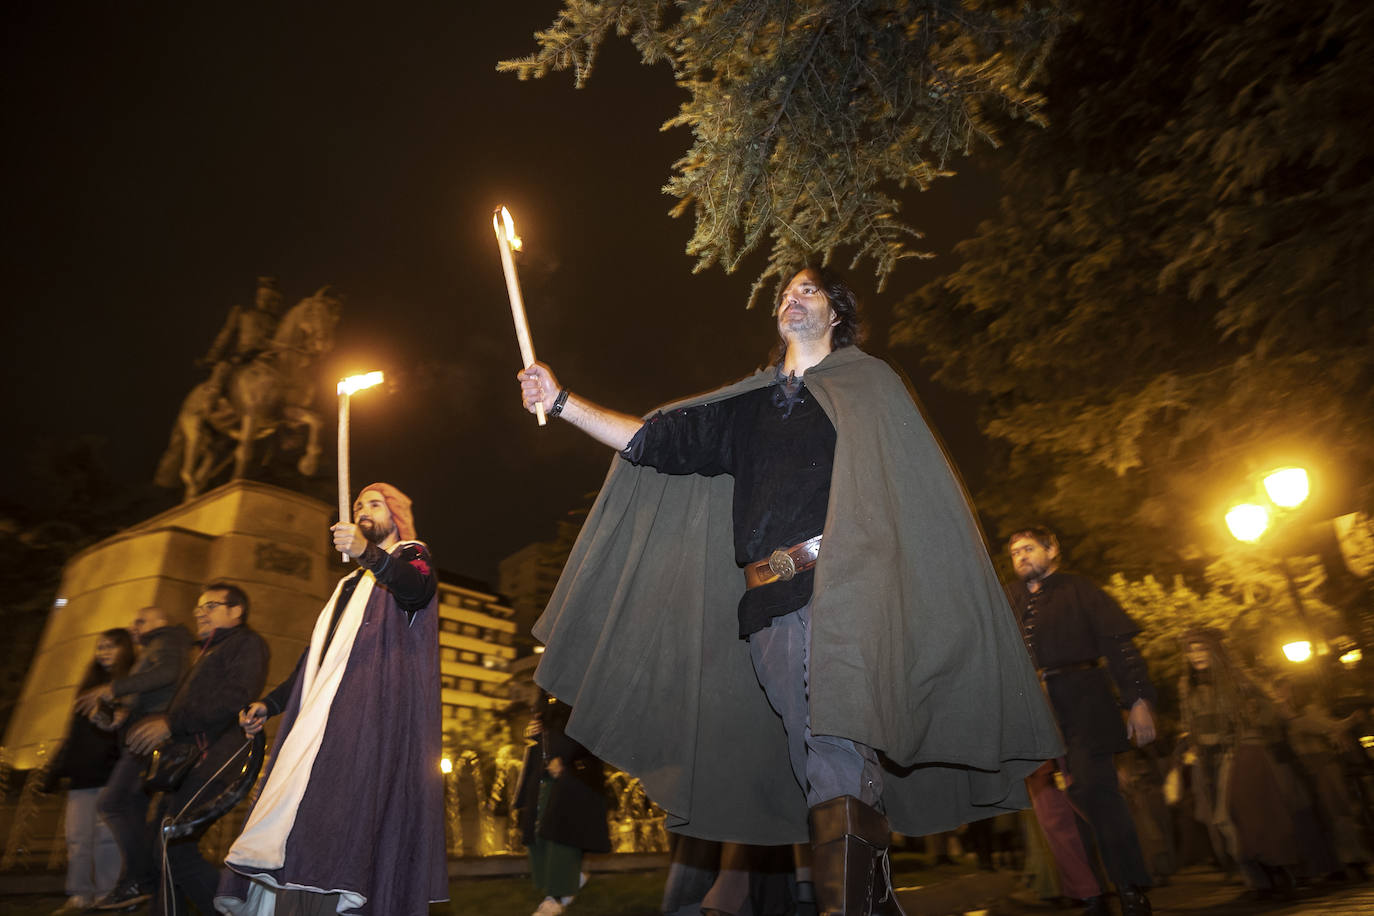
x=398 y=504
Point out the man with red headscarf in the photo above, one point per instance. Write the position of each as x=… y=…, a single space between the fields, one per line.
x=350 y=816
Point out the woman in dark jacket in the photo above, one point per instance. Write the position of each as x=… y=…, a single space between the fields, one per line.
x=86 y=758
x=562 y=806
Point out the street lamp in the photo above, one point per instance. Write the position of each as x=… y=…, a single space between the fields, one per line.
x=1247 y=522
x=1287 y=487
x=1299 y=651
x=347 y=388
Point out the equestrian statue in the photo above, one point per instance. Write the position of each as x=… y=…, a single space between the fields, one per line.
x=262 y=382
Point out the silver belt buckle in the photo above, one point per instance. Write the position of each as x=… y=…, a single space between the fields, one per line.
x=782 y=565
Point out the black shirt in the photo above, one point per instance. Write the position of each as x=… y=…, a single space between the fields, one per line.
x=1075 y=622
x=780 y=448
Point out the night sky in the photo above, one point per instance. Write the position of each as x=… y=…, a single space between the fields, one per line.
x=159 y=157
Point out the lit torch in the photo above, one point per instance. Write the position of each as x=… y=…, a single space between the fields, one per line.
x=347 y=386
x=506 y=241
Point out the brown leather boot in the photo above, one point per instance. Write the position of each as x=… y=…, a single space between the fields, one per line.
x=849 y=866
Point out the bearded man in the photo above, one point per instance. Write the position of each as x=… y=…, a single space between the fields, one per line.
x=865 y=665
x=1071 y=627
x=230 y=670
x=349 y=819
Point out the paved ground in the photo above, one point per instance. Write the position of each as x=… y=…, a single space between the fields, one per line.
x=1196 y=891
x=1193 y=893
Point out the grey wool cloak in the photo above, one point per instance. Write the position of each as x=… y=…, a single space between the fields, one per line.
x=914 y=648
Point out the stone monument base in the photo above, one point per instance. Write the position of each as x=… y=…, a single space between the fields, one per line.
x=272 y=543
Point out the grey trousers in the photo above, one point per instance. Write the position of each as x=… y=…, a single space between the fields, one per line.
x=826 y=766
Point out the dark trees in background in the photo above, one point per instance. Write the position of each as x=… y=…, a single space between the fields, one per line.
x=1176 y=293
x=809 y=116
x=73 y=503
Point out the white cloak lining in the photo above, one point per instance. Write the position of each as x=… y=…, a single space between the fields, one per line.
x=262 y=898
x=263 y=841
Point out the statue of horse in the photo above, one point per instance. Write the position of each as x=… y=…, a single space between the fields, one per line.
x=224 y=417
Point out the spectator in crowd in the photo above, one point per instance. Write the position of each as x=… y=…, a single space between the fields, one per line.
x=1319 y=741
x=228 y=674
x=562 y=806
x=145 y=691
x=87 y=757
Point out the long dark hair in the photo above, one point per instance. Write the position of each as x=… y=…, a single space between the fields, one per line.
x=96 y=675
x=849 y=328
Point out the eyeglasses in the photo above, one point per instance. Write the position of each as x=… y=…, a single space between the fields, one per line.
x=211 y=605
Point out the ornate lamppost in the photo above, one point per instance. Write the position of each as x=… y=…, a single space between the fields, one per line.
x=1285 y=490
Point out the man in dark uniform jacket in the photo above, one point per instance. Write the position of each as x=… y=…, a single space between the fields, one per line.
x=1070 y=626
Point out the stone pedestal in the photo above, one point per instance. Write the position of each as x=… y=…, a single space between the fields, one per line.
x=272 y=543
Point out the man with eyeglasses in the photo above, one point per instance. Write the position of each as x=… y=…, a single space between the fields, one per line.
x=350 y=817
x=227 y=675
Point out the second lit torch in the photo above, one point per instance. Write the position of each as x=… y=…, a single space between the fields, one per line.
x=506 y=241
x=347 y=387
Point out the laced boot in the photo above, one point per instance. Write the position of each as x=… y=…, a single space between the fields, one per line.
x=849 y=863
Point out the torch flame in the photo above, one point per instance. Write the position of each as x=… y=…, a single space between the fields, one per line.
x=356 y=383
x=511 y=237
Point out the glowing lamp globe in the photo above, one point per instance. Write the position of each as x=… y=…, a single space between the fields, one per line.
x=1247 y=522
x=1299 y=651
x=1287 y=487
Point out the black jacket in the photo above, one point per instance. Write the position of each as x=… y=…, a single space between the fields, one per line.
x=575 y=814
x=148 y=688
x=228 y=675
x=1078 y=624
x=87 y=756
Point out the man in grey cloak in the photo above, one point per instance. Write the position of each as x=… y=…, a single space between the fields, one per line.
x=868 y=647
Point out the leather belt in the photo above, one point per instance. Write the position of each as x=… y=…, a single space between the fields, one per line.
x=783 y=563
x=1064 y=669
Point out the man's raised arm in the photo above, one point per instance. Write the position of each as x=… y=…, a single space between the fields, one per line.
x=539 y=386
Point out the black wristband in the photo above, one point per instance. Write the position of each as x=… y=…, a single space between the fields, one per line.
x=558 y=403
